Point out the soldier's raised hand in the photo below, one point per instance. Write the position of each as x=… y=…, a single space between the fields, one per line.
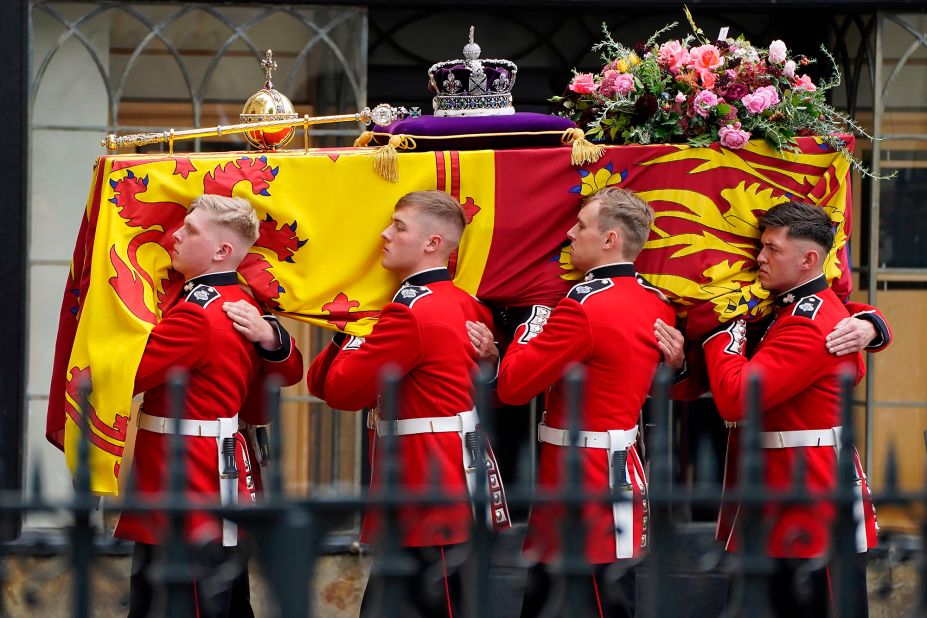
x=671 y=343
x=850 y=335
x=249 y=322
x=483 y=342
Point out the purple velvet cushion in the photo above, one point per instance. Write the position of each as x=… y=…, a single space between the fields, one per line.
x=484 y=132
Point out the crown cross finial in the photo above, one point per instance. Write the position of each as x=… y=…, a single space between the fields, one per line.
x=269 y=65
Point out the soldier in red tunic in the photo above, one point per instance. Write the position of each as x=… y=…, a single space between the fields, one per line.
x=423 y=334
x=198 y=336
x=800 y=406
x=605 y=323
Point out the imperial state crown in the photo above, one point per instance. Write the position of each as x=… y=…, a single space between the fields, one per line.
x=471 y=86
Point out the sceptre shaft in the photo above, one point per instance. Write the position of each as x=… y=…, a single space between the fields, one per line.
x=380 y=115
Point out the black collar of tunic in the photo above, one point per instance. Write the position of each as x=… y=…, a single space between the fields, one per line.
x=213 y=279
x=818 y=284
x=428 y=276
x=610 y=271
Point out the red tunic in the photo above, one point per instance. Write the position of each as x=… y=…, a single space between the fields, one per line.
x=800 y=391
x=423 y=334
x=197 y=336
x=607 y=325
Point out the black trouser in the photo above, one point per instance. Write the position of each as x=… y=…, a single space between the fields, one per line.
x=608 y=593
x=220 y=587
x=804 y=588
x=428 y=586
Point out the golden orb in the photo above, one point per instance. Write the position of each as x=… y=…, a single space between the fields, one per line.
x=268 y=104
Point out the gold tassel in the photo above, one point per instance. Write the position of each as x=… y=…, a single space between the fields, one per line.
x=386 y=158
x=583 y=151
x=363 y=139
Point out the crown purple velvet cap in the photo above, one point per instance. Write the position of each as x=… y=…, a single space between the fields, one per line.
x=471 y=86
x=518 y=130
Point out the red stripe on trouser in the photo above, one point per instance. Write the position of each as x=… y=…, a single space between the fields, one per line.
x=598 y=601
x=447 y=591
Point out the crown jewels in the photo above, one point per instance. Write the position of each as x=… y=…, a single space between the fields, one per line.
x=472 y=87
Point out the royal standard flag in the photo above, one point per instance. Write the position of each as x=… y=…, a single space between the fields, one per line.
x=318 y=255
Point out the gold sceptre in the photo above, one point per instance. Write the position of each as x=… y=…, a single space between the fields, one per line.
x=268 y=120
x=382 y=115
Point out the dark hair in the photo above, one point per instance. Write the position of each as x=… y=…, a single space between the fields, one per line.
x=804 y=221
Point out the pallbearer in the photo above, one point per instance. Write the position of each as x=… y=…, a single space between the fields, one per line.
x=422 y=332
x=607 y=324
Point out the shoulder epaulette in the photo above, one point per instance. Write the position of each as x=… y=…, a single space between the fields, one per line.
x=409 y=294
x=582 y=291
x=808 y=306
x=651 y=287
x=202 y=295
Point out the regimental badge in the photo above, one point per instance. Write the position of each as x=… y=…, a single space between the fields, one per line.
x=409 y=294
x=535 y=323
x=581 y=292
x=808 y=307
x=202 y=295
x=788 y=299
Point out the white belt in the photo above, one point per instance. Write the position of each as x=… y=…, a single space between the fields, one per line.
x=615 y=440
x=188 y=427
x=463 y=424
x=220 y=429
x=801 y=438
x=411 y=426
x=611 y=441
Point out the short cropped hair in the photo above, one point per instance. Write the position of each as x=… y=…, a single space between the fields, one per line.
x=624 y=211
x=440 y=206
x=803 y=221
x=236 y=213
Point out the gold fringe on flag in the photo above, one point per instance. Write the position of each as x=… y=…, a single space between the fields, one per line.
x=583 y=151
x=386 y=159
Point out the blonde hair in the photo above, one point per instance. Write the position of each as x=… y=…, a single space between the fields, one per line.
x=623 y=210
x=441 y=207
x=235 y=213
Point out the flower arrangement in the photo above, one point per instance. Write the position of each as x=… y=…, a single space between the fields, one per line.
x=696 y=91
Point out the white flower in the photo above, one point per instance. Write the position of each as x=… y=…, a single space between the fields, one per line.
x=777 y=52
x=789 y=69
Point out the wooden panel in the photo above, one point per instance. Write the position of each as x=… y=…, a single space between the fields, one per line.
x=900 y=376
x=311 y=457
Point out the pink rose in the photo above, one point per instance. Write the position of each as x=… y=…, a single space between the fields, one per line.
x=704 y=58
x=708 y=79
x=704 y=102
x=583 y=83
x=803 y=83
x=753 y=103
x=731 y=136
x=680 y=97
x=607 y=86
x=757 y=101
x=673 y=56
x=615 y=82
x=624 y=83
x=789 y=69
x=777 y=52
